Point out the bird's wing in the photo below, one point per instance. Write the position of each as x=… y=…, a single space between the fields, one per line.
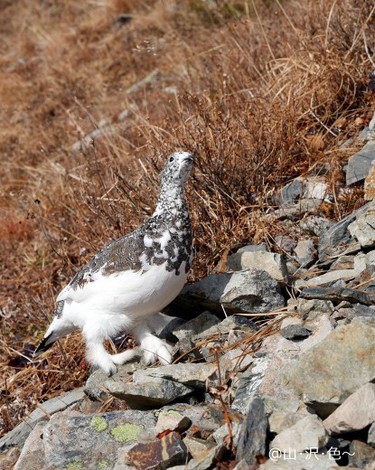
x=124 y=254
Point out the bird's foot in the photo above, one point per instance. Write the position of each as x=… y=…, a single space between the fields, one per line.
x=156 y=349
x=124 y=356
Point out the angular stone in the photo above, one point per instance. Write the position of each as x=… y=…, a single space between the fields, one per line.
x=19 y=434
x=359 y=164
x=327 y=278
x=73 y=440
x=355 y=413
x=252 y=290
x=306 y=252
x=158 y=455
x=371 y=435
x=279 y=420
x=172 y=421
x=361 y=454
x=338 y=236
x=363 y=228
x=295 y=332
x=273 y=263
x=320 y=375
x=212 y=456
x=95 y=388
x=336 y=295
x=32 y=454
x=249 y=383
x=306 y=434
x=188 y=374
x=253 y=433
x=155 y=392
x=9 y=458
x=196 y=326
x=310 y=309
x=198 y=448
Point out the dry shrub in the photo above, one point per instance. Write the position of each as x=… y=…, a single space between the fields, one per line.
x=261 y=91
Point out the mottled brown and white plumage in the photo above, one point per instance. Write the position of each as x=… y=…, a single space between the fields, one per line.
x=124 y=287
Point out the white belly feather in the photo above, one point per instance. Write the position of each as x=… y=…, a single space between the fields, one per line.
x=128 y=295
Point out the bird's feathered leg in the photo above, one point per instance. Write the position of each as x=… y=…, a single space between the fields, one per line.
x=153 y=348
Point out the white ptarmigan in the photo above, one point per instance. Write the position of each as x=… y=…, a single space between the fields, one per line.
x=124 y=287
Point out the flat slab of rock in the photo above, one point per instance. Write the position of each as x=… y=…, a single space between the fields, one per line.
x=252 y=290
x=336 y=295
x=18 y=435
x=359 y=164
x=320 y=375
x=273 y=263
x=73 y=440
x=363 y=228
x=328 y=278
x=160 y=454
x=253 y=433
x=308 y=433
x=148 y=394
x=295 y=332
x=355 y=413
x=191 y=375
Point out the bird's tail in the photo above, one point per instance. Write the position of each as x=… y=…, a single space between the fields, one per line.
x=58 y=329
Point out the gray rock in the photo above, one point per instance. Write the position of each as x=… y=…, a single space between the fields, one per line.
x=371 y=435
x=308 y=433
x=363 y=228
x=355 y=413
x=189 y=374
x=315 y=225
x=295 y=332
x=197 y=326
x=310 y=188
x=252 y=290
x=212 y=456
x=249 y=383
x=173 y=421
x=253 y=433
x=328 y=278
x=295 y=211
x=285 y=243
x=324 y=384
x=305 y=252
x=20 y=433
x=280 y=420
x=198 y=448
x=292 y=191
x=360 y=163
x=273 y=263
x=252 y=248
x=153 y=393
x=336 y=295
x=337 y=236
x=343 y=262
x=89 y=441
x=32 y=454
x=160 y=454
x=310 y=309
x=222 y=434
x=361 y=454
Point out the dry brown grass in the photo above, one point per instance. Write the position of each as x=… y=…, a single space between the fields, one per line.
x=263 y=91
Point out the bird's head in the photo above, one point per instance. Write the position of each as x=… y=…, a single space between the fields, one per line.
x=178 y=168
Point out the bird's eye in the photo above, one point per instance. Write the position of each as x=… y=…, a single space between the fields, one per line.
x=171 y=159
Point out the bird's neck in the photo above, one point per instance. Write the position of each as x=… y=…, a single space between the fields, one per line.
x=171 y=199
